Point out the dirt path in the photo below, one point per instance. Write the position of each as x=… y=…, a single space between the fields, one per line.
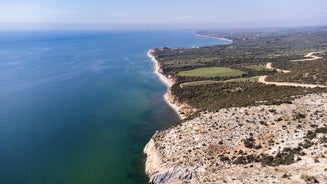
x=269 y=67
x=309 y=57
x=262 y=79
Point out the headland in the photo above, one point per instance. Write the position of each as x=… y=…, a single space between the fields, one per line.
x=247 y=128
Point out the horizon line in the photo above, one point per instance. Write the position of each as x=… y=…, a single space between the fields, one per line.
x=140 y=26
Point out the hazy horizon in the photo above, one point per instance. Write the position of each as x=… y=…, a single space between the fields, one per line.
x=146 y=14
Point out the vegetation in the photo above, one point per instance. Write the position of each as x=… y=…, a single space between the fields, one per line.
x=211 y=72
x=250 y=52
x=207 y=82
x=200 y=75
x=285 y=157
x=237 y=94
x=257 y=67
x=311 y=72
x=250 y=79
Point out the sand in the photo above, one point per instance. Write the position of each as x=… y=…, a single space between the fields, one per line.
x=219 y=38
x=168 y=82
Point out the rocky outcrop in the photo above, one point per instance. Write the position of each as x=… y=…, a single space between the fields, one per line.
x=262 y=144
x=173 y=176
x=166 y=175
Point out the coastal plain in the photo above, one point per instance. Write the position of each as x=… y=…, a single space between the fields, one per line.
x=265 y=125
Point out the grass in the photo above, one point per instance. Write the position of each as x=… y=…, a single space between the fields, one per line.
x=211 y=72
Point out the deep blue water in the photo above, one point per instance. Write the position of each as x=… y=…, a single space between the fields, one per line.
x=78 y=107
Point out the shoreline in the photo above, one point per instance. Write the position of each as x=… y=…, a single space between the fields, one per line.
x=178 y=107
x=168 y=82
x=214 y=37
x=186 y=153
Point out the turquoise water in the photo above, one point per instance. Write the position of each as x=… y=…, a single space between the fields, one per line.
x=78 y=107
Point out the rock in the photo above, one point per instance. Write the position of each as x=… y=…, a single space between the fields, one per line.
x=174 y=175
x=211 y=148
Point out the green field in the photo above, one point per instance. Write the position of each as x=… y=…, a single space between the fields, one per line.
x=211 y=72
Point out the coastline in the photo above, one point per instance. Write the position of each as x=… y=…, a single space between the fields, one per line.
x=153 y=159
x=187 y=152
x=182 y=110
x=214 y=37
x=163 y=78
x=168 y=82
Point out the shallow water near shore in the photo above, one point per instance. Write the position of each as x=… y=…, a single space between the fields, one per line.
x=79 y=107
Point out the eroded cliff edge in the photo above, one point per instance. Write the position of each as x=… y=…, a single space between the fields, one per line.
x=267 y=144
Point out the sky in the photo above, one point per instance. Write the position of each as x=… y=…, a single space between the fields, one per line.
x=147 y=14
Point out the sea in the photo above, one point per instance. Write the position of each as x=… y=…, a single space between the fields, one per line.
x=79 y=106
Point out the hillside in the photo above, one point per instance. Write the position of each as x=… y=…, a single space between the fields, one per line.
x=268 y=144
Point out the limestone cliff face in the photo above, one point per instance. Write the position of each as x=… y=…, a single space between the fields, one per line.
x=156 y=170
x=263 y=144
x=153 y=160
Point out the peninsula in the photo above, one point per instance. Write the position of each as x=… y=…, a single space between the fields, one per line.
x=253 y=111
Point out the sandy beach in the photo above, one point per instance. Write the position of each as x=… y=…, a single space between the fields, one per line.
x=162 y=77
x=168 y=82
x=219 y=38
